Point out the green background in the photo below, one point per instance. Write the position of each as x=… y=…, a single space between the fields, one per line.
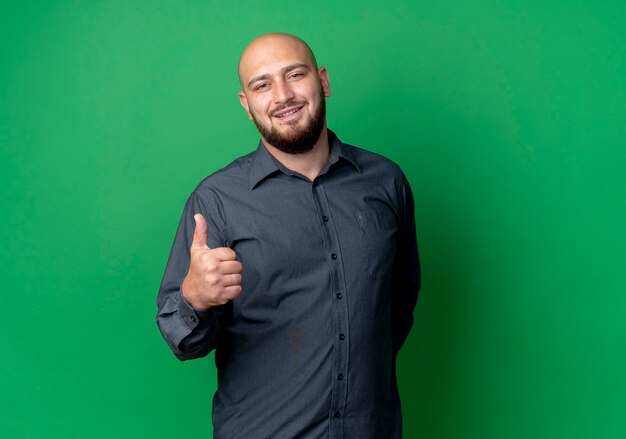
x=508 y=118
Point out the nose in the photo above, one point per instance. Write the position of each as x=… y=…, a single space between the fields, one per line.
x=282 y=92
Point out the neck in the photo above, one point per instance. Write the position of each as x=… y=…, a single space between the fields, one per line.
x=309 y=163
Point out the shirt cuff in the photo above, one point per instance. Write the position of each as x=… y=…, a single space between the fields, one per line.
x=188 y=314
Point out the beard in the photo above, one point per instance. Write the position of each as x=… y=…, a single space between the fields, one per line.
x=296 y=140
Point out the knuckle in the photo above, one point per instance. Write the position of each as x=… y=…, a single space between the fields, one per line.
x=220 y=301
x=207 y=260
x=203 y=256
x=209 y=265
x=212 y=280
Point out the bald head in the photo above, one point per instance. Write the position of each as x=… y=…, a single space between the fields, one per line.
x=267 y=49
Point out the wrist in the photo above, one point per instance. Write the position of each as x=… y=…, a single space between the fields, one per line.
x=192 y=299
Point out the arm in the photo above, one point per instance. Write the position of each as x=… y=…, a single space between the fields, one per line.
x=406 y=269
x=190 y=332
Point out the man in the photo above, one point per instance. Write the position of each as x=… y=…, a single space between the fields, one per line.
x=298 y=264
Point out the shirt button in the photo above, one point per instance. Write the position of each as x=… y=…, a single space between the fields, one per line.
x=337 y=415
x=342 y=337
x=333 y=256
x=325 y=218
x=340 y=377
x=193 y=319
x=338 y=296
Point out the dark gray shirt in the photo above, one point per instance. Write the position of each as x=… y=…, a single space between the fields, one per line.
x=330 y=279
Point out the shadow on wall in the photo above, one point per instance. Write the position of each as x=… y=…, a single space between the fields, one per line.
x=474 y=189
x=429 y=362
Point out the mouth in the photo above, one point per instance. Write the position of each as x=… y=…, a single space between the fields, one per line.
x=288 y=114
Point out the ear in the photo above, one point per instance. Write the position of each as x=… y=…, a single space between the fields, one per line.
x=324 y=80
x=243 y=100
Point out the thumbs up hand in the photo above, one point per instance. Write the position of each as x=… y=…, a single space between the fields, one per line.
x=214 y=275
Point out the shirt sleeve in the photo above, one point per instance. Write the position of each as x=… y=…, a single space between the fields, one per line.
x=189 y=333
x=406 y=269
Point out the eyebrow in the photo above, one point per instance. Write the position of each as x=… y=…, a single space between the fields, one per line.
x=283 y=71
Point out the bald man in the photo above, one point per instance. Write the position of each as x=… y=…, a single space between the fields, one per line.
x=298 y=264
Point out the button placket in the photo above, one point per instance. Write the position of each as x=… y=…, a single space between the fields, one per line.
x=339 y=307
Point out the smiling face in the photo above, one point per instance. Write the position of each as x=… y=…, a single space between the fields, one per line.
x=284 y=92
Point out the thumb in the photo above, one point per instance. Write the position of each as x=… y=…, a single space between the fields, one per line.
x=200 y=234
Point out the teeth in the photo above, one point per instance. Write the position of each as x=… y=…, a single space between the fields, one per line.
x=290 y=113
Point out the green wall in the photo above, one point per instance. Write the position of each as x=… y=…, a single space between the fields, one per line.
x=508 y=117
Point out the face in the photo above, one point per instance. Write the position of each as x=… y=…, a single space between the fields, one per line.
x=283 y=92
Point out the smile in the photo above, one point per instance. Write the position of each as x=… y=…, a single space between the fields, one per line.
x=289 y=115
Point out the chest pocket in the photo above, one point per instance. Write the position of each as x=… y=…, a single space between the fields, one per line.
x=377 y=230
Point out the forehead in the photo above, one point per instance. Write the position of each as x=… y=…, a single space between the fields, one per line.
x=271 y=54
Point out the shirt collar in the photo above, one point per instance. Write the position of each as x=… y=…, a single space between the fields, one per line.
x=263 y=164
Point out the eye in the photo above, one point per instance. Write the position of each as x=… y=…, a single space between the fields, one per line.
x=262 y=86
x=296 y=75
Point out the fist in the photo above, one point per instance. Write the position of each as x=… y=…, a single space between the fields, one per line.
x=214 y=275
